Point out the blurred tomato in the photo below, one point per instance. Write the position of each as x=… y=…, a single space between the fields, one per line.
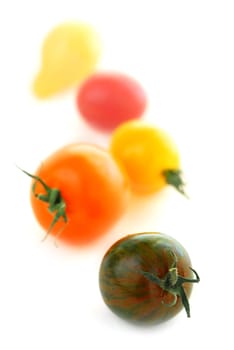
x=149 y=155
x=106 y=100
x=78 y=193
x=70 y=53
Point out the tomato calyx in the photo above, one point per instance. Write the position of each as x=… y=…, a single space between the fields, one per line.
x=174 y=178
x=52 y=196
x=173 y=283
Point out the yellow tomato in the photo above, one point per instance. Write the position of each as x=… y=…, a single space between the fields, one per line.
x=149 y=156
x=70 y=53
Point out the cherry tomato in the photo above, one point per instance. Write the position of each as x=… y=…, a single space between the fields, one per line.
x=70 y=53
x=147 y=278
x=149 y=156
x=106 y=100
x=78 y=193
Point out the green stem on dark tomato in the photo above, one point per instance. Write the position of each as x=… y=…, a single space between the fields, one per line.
x=173 y=283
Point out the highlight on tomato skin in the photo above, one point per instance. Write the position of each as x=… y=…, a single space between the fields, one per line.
x=147 y=278
x=107 y=99
x=78 y=193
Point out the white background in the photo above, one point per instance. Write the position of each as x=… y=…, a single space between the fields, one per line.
x=182 y=52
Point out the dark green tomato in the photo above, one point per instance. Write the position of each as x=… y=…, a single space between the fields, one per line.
x=146 y=278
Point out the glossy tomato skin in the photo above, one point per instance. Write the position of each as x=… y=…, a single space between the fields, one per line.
x=93 y=186
x=105 y=100
x=127 y=292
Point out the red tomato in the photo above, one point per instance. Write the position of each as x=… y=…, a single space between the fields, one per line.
x=106 y=100
x=78 y=193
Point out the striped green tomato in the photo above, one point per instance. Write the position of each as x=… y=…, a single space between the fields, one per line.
x=147 y=278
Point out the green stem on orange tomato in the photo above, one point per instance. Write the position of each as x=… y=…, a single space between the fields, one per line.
x=52 y=196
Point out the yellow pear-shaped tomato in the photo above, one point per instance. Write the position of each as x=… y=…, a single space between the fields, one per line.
x=149 y=156
x=70 y=53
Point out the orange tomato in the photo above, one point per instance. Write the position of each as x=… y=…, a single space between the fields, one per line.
x=78 y=193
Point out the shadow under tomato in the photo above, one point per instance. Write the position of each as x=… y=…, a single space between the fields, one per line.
x=111 y=320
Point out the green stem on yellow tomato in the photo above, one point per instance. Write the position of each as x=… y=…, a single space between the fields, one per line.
x=174 y=178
